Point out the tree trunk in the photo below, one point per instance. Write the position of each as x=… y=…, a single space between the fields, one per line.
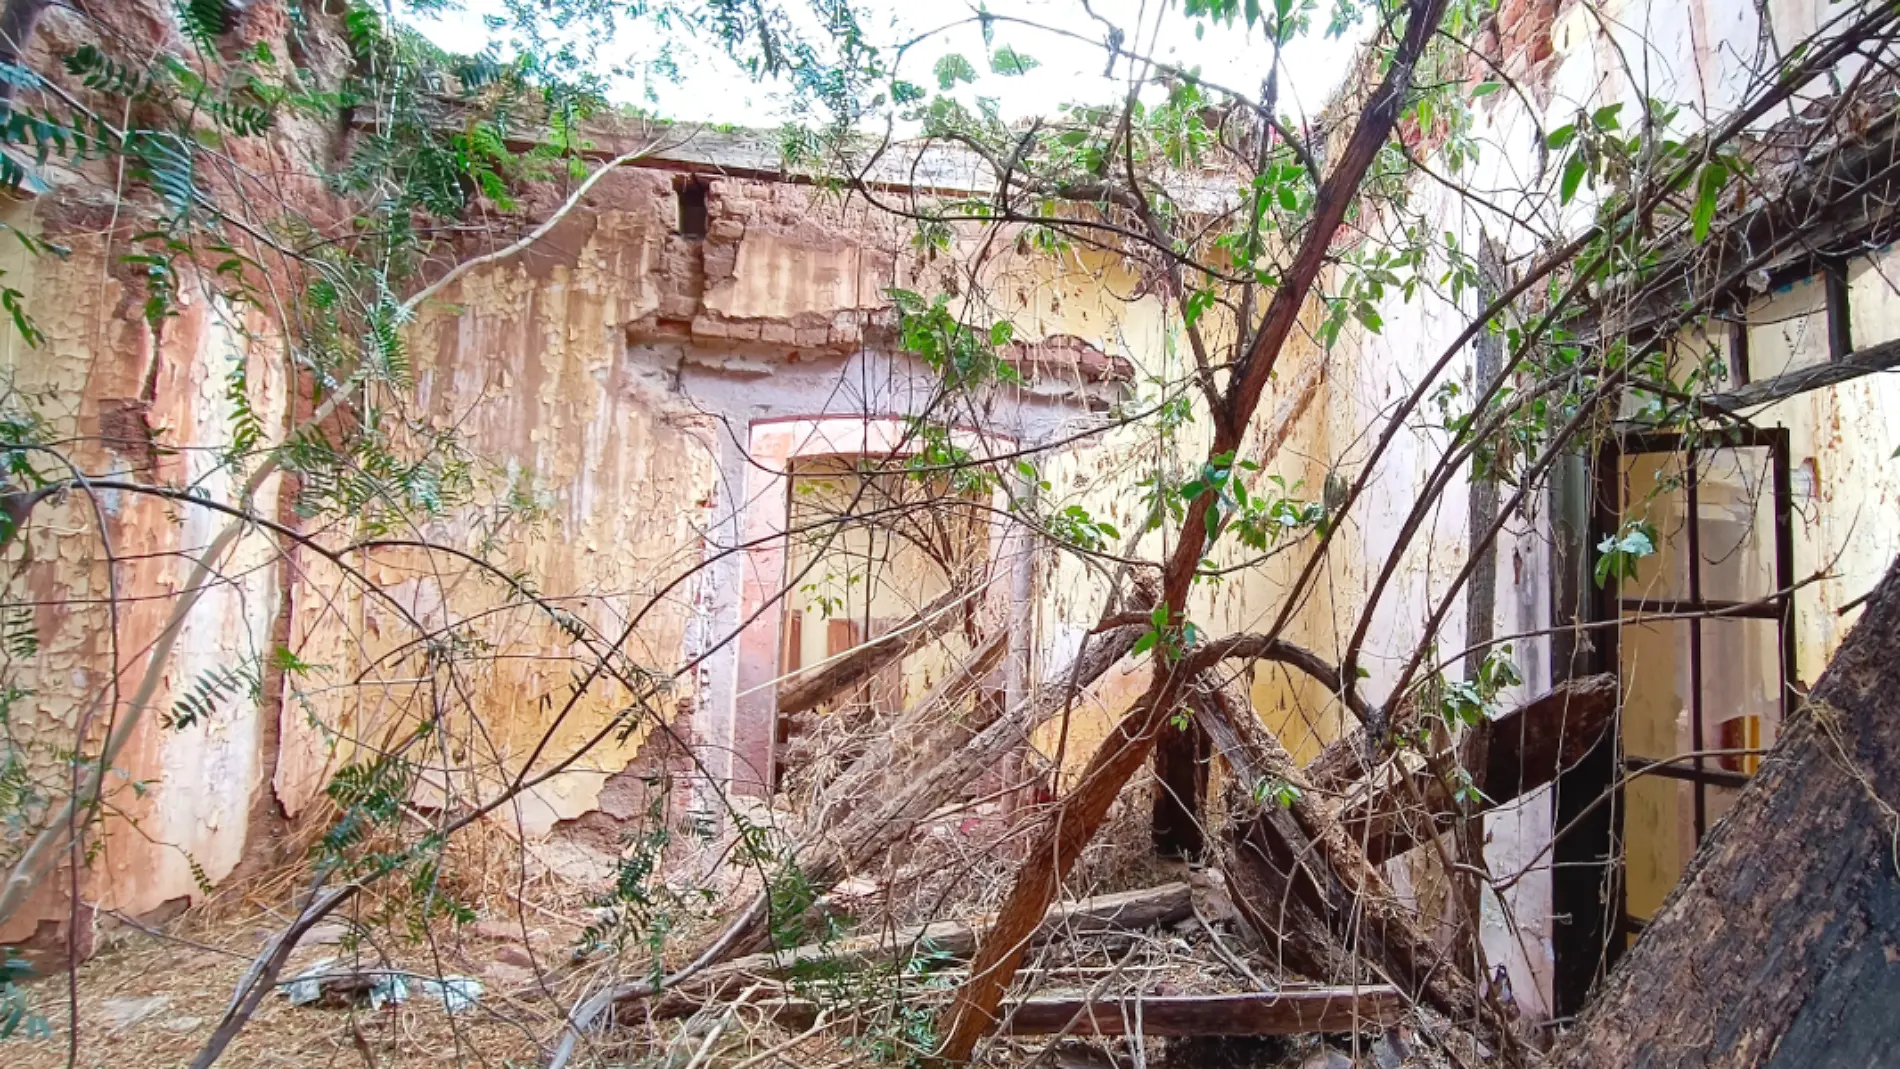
x=1779 y=946
x=1180 y=802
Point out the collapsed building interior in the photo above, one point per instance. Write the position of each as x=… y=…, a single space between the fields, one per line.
x=681 y=597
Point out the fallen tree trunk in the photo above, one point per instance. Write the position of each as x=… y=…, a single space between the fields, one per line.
x=1127 y=911
x=900 y=801
x=919 y=739
x=1778 y=947
x=1255 y=1013
x=1506 y=758
x=874 y=655
x=1293 y=857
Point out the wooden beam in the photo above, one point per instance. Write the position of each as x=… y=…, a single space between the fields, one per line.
x=1874 y=358
x=1506 y=757
x=1255 y=1013
x=1295 y=875
x=867 y=660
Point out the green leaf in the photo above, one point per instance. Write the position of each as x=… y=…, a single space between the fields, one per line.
x=1009 y=62
x=1001 y=333
x=1196 y=305
x=1573 y=177
x=1485 y=89
x=204 y=20
x=952 y=69
x=1708 y=190
x=1561 y=137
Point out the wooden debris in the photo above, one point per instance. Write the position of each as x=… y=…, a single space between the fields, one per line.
x=1254 y=1013
x=1506 y=757
x=1123 y=912
x=872 y=657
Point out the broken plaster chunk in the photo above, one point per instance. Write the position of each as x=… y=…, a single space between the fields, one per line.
x=123 y=1013
x=727 y=230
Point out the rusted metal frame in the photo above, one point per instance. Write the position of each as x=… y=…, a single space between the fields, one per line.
x=1712 y=777
x=1779 y=460
x=1840 y=332
x=1586 y=891
x=1780 y=608
x=1696 y=731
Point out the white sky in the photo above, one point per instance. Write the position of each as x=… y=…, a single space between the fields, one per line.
x=714 y=89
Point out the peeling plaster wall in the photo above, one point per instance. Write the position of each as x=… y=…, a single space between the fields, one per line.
x=606 y=385
x=103 y=377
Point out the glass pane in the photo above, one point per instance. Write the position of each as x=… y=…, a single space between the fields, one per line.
x=1652 y=492
x=1741 y=690
x=1735 y=498
x=1654 y=662
x=1735 y=502
x=1658 y=840
x=1720 y=800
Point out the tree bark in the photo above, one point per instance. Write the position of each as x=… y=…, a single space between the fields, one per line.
x=1779 y=946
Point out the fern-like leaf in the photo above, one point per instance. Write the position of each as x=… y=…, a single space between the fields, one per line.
x=201 y=700
x=19 y=635
x=204 y=21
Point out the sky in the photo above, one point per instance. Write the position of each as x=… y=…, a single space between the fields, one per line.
x=713 y=89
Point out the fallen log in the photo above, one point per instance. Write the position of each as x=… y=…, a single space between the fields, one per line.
x=1292 y=857
x=1288 y=1012
x=1254 y=1013
x=899 y=798
x=1126 y=911
x=1778 y=948
x=1506 y=757
x=874 y=655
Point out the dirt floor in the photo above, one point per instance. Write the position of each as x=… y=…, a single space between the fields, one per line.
x=151 y=1000
x=153 y=994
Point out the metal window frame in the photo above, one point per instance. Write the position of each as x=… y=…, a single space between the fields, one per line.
x=1609 y=604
